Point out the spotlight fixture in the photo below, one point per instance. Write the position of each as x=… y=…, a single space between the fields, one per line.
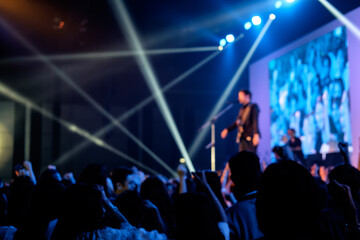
x=222 y=42
x=247 y=25
x=230 y=38
x=278 y=4
x=272 y=16
x=256 y=20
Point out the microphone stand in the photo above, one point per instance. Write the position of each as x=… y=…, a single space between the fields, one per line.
x=212 y=143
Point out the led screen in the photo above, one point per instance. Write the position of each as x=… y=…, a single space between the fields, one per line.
x=309 y=92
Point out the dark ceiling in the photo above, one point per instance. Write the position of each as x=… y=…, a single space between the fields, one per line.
x=89 y=25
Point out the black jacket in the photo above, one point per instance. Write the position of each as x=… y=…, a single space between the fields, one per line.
x=251 y=123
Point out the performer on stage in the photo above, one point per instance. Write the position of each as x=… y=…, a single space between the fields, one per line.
x=295 y=145
x=246 y=123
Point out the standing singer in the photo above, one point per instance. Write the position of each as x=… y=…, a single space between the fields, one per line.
x=246 y=123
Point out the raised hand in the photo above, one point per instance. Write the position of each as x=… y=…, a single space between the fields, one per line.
x=70 y=177
x=181 y=170
x=342 y=194
x=224 y=133
x=201 y=179
x=256 y=139
x=27 y=165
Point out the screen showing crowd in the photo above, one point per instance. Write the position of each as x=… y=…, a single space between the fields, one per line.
x=309 y=92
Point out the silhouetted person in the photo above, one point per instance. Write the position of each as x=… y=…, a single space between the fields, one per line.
x=196 y=218
x=44 y=208
x=287 y=203
x=84 y=208
x=139 y=212
x=154 y=190
x=350 y=176
x=295 y=145
x=245 y=174
x=21 y=190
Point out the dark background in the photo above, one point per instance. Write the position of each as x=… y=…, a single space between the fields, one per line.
x=117 y=83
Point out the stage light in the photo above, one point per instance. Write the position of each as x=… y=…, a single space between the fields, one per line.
x=200 y=137
x=61 y=24
x=126 y=24
x=247 y=25
x=290 y=1
x=221 y=48
x=222 y=42
x=182 y=160
x=278 y=4
x=256 y=20
x=230 y=38
x=272 y=16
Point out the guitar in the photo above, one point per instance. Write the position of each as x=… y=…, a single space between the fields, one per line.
x=240 y=130
x=240 y=122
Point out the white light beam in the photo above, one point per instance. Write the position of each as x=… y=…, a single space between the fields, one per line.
x=151 y=80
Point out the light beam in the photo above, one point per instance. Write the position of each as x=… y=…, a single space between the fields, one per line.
x=64 y=77
x=138 y=107
x=11 y=94
x=83 y=145
x=106 y=55
x=200 y=137
x=132 y=37
x=351 y=26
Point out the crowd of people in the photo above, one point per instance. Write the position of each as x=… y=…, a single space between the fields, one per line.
x=244 y=201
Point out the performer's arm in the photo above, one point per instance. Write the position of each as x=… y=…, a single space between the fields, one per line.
x=255 y=125
x=231 y=127
x=255 y=119
x=225 y=132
